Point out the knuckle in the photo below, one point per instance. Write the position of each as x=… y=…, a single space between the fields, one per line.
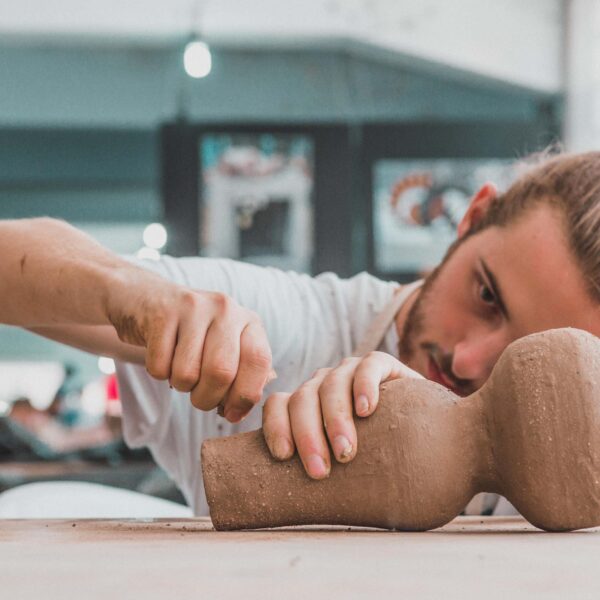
x=320 y=373
x=190 y=298
x=362 y=381
x=339 y=419
x=328 y=387
x=298 y=398
x=157 y=370
x=258 y=357
x=333 y=382
x=252 y=317
x=222 y=302
x=348 y=361
x=221 y=375
x=184 y=381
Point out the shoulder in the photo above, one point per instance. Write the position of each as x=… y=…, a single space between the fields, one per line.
x=357 y=301
x=363 y=292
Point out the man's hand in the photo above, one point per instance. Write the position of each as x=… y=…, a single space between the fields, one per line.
x=57 y=281
x=202 y=342
x=321 y=411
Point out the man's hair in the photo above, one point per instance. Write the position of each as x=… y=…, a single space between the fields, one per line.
x=569 y=182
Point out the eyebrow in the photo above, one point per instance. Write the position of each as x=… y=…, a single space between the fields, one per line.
x=495 y=287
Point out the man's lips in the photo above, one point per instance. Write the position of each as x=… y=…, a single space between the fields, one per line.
x=435 y=374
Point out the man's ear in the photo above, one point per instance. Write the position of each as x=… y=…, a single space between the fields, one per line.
x=477 y=208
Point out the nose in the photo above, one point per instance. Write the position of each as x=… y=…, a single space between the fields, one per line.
x=474 y=357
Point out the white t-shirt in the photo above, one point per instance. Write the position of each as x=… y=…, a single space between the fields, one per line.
x=311 y=322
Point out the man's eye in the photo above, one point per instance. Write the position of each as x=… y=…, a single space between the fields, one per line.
x=486 y=295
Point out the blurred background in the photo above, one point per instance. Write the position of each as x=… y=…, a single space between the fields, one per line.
x=313 y=135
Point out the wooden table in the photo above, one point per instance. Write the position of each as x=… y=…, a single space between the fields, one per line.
x=485 y=558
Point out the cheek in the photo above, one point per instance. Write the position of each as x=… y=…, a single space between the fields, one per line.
x=445 y=322
x=447 y=315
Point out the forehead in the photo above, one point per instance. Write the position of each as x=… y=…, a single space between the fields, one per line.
x=541 y=282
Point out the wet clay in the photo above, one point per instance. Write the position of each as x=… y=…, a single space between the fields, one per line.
x=531 y=433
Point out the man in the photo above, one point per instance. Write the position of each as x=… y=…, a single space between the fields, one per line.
x=524 y=261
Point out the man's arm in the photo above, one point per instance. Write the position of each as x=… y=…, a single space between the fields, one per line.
x=95 y=339
x=52 y=275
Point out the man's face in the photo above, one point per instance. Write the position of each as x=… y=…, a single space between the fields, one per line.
x=496 y=286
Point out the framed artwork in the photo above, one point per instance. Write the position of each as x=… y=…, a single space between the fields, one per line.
x=257 y=198
x=417 y=205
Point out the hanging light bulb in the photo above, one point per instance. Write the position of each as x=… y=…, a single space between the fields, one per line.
x=197 y=59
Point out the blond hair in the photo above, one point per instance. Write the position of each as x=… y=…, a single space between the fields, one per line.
x=570 y=182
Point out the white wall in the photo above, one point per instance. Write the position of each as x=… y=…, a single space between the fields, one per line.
x=507 y=40
x=582 y=118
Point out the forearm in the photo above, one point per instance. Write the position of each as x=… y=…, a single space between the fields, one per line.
x=51 y=273
x=95 y=339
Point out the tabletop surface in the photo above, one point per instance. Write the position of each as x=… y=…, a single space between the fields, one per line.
x=488 y=557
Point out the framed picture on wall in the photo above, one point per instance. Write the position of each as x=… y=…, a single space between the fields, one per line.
x=417 y=205
x=257 y=198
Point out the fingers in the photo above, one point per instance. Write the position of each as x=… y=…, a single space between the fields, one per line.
x=321 y=410
x=159 y=349
x=252 y=374
x=185 y=369
x=276 y=426
x=335 y=394
x=307 y=427
x=203 y=342
x=220 y=360
x=372 y=370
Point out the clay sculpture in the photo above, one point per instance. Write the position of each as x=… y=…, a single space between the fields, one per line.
x=531 y=433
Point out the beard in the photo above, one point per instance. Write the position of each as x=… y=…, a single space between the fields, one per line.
x=415 y=320
x=413 y=336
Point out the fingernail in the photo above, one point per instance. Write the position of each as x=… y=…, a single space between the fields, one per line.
x=342 y=447
x=272 y=376
x=316 y=466
x=235 y=415
x=282 y=448
x=362 y=405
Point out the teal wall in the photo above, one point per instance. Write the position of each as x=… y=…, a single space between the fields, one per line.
x=139 y=88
